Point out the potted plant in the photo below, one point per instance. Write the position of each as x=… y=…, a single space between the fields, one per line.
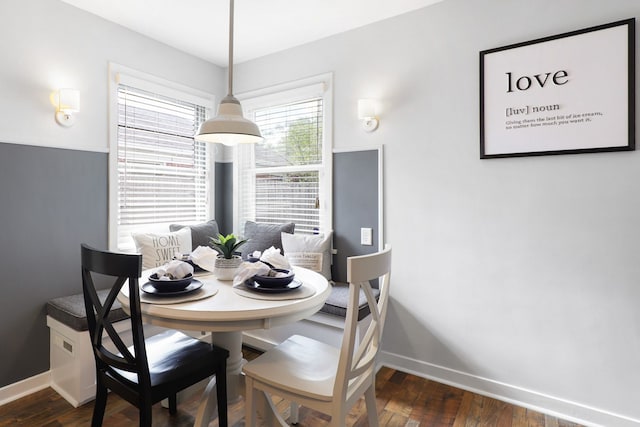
x=227 y=261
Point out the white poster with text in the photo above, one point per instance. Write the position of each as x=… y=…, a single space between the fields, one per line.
x=563 y=94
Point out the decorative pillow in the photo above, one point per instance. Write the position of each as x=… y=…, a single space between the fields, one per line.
x=262 y=236
x=159 y=249
x=310 y=251
x=201 y=234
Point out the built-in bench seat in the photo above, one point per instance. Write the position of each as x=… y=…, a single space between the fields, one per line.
x=72 y=366
x=70 y=310
x=327 y=325
x=337 y=302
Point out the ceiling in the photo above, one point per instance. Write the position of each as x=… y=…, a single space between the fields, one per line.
x=200 y=27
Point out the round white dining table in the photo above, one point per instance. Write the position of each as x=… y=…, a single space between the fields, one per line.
x=226 y=314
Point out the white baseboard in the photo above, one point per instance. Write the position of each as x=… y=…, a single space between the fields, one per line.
x=25 y=387
x=554 y=406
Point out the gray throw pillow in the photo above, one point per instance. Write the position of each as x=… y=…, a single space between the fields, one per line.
x=262 y=236
x=201 y=234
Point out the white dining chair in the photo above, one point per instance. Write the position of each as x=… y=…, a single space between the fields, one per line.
x=322 y=377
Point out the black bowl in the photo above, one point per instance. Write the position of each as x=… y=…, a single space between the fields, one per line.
x=274 y=282
x=170 y=285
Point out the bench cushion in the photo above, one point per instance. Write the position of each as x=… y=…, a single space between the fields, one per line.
x=70 y=310
x=337 y=302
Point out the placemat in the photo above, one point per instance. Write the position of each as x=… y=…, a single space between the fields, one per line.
x=206 y=291
x=304 y=291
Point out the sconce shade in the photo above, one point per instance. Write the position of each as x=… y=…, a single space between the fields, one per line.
x=229 y=127
x=69 y=100
x=366 y=109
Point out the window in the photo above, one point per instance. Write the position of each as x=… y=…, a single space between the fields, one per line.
x=159 y=174
x=287 y=177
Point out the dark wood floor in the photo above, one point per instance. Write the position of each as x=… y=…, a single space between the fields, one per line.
x=403 y=401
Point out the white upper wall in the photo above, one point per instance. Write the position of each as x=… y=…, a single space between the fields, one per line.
x=516 y=276
x=47 y=44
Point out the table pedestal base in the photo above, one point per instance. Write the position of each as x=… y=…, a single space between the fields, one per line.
x=232 y=341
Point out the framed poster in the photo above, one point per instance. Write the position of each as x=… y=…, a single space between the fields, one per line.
x=564 y=94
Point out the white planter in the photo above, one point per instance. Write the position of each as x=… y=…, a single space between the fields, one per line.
x=225 y=269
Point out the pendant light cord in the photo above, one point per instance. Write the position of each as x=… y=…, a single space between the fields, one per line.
x=230 y=90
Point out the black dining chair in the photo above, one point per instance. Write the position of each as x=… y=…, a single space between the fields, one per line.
x=150 y=370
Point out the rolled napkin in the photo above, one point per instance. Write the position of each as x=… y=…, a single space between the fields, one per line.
x=272 y=256
x=254 y=256
x=275 y=258
x=204 y=257
x=174 y=270
x=249 y=269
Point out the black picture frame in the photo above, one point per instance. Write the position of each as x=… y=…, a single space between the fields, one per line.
x=564 y=94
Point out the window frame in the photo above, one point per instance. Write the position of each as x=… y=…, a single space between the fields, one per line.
x=119 y=74
x=299 y=90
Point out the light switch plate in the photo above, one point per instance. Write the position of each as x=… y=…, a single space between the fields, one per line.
x=366 y=236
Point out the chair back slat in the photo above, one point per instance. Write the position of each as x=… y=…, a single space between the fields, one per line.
x=363 y=268
x=369 y=338
x=98 y=321
x=358 y=353
x=111 y=263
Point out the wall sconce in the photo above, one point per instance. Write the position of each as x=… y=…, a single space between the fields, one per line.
x=67 y=103
x=367 y=113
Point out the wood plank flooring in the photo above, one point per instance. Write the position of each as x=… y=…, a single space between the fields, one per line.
x=403 y=400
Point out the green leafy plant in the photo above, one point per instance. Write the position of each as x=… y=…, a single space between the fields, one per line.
x=226 y=245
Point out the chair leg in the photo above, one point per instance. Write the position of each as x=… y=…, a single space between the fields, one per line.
x=294 y=415
x=173 y=404
x=145 y=414
x=100 y=404
x=249 y=404
x=370 y=400
x=221 y=394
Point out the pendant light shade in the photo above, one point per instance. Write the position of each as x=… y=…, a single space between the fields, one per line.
x=229 y=127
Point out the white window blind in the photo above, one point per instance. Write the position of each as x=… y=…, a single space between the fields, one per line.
x=284 y=178
x=163 y=174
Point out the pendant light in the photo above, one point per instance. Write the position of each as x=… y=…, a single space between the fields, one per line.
x=229 y=127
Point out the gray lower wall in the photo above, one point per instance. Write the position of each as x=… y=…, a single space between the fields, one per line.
x=52 y=200
x=355 y=205
x=224 y=197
